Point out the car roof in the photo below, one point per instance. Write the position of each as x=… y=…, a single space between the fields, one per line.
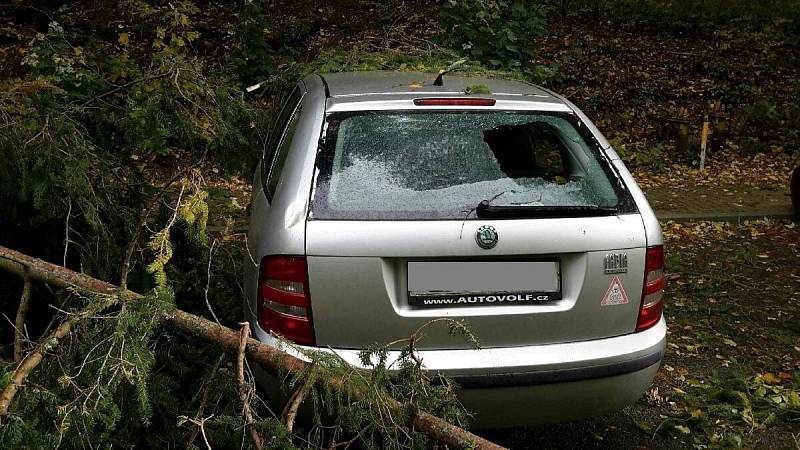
x=352 y=90
x=384 y=82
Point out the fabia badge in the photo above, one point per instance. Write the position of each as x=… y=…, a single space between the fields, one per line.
x=615 y=263
x=486 y=237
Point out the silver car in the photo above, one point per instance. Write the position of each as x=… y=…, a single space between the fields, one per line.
x=385 y=200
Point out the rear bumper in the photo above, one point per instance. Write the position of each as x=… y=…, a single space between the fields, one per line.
x=536 y=364
x=515 y=406
x=516 y=386
x=538 y=377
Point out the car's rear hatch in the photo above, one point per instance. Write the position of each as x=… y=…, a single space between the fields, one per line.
x=396 y=237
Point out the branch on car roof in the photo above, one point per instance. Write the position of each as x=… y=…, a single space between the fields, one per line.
x=270 y=358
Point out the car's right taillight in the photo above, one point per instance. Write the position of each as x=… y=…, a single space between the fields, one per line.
x=653 y=290
x=284 y=304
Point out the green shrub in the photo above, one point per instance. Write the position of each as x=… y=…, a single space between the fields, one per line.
x=252 y=57
x=751 y=146
x=498 y=33
x=696 y=17
x=769 y=123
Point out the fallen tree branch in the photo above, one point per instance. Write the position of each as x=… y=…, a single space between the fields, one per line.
x=244 y=333
x=270 y=358
x=204 y=396
x=19 y=323
x=124 y=86
x=143 y=216
x=201 y=425
x=51 y=341
x=294 y=403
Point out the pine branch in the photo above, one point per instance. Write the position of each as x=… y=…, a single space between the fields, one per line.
x=124 y=86
x=204 y=396
x=244 y=333
x=143 y=216
x=51 y=341
x=19 y=323
x=294 y=403
x=272 y=359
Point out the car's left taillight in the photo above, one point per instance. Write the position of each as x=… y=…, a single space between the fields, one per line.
x=284 y=304
x=653 y=291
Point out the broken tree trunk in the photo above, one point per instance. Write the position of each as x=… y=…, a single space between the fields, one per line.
x=270 y=358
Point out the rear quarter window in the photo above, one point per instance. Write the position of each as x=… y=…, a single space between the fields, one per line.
x=279 y=141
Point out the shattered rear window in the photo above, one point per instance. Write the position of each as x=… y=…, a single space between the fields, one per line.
x=440 y=165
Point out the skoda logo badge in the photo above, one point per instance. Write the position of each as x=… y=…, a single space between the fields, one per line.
x=486 y=237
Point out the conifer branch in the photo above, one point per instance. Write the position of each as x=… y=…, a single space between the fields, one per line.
x=294 y=403
x=204 y=396
x=244 y=334
x=270 y=358
x=51 y=341
x=66 y=232
x=201 y=425
x=143 y=216
x=22 y=311
x=124 y=86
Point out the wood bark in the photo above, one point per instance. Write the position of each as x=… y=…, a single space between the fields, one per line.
x=19 y=323
x=244 y=393
x=270 y=358
x=294 y=404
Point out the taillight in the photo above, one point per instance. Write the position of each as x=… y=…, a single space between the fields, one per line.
x=653 y=290
x=445 y=101
x=284 y=305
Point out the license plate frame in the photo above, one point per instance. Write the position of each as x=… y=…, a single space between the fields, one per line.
x=431 y=284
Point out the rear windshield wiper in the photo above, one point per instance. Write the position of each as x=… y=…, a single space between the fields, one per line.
x=486 y=210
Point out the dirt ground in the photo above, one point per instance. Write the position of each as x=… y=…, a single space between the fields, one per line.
x=731 y=374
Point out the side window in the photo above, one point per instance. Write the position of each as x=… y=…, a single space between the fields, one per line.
x=280 y=155
x=279 y=126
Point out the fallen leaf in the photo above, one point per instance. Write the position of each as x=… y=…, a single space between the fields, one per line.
x=770 y=378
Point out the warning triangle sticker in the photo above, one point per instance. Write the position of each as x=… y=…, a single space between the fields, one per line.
x=615 y=295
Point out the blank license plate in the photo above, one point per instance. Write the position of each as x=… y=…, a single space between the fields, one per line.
x=482 y=283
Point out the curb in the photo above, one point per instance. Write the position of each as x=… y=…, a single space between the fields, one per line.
x=724 y=217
